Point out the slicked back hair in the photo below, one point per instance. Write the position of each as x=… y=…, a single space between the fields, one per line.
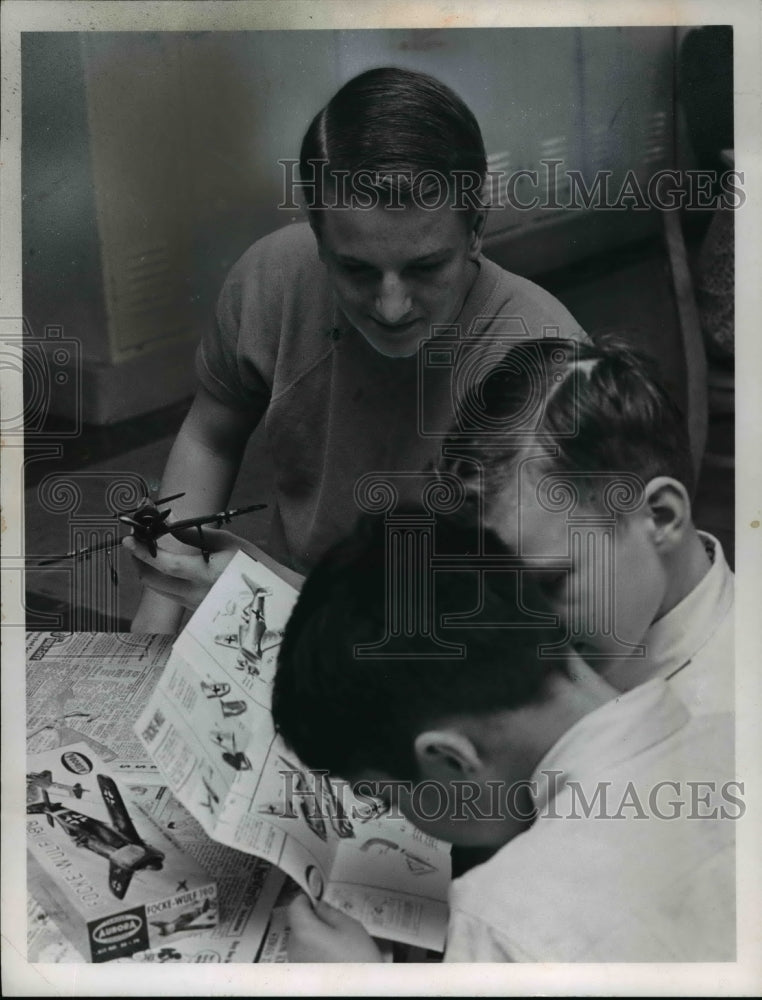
x=624 y=421
x=398 y=126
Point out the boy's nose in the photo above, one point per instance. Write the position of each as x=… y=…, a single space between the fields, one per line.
x=392 y=302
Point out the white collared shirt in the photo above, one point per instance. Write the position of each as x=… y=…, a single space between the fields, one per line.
x=604 y=873
x=692 y=646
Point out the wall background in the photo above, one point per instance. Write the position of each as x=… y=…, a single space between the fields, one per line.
x=150 y=163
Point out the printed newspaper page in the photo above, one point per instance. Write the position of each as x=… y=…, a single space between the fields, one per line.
x=209 y=729
x=89 y=687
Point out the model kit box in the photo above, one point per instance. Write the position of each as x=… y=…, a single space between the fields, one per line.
x=109 y=876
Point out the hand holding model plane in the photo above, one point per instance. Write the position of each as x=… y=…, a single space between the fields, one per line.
x=186 y=577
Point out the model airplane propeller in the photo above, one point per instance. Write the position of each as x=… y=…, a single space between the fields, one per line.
x=148 y=524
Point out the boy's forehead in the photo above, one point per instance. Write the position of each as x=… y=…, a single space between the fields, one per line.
x=358 y=233
x=522 y=523
x=521 y=512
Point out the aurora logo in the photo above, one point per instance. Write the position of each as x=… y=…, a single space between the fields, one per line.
x=76 y=762
x=118 y=928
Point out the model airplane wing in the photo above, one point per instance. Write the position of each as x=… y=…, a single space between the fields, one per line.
x=119 y=880
x=41 y=807
x=41 y=777
x=222 y=517
x=117 y=810
x=148 y=523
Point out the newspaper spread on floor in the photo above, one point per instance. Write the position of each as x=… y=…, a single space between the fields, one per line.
x=89 y=687
x=209 y=728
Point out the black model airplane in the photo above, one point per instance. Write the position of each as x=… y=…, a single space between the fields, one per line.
x=119 y=842
x=148 y=524
x=236 y=758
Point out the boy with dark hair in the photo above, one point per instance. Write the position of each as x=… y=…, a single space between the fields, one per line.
x=627 y=800
x=589 y=479
x=391 y=137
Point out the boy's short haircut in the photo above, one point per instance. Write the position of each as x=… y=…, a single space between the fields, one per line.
x=602 y=409
x=343 y=713
x=404 y=131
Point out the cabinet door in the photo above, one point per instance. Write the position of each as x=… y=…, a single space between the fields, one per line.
x=139 y=149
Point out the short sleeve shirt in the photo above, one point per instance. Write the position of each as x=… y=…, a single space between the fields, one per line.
x=337 y=413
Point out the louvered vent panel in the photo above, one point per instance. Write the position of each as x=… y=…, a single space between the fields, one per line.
x=657 y=141
x=147 y=282
x=554 y=183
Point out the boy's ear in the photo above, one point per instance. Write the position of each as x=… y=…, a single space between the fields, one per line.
x=669 y=511
x=446 y=755
x=477 y=235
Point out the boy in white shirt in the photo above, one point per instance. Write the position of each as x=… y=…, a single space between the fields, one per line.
x=628 y=800
x=584 y=470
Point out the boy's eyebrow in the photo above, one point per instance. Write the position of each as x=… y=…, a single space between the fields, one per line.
x=423 y=259
x=545 y=564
